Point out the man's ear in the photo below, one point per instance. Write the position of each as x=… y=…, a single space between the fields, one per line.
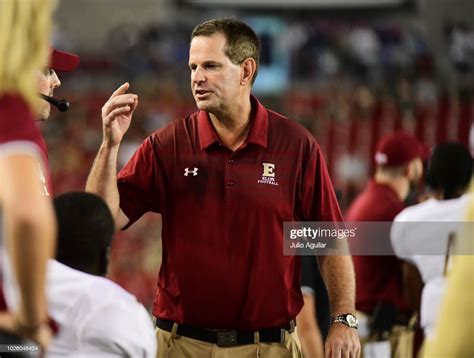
x=249 y=66
x=415 y=169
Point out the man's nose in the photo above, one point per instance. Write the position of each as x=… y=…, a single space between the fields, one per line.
x=55 y=82
x=198 y=76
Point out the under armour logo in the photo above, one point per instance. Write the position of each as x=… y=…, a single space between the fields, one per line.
x=194 y=172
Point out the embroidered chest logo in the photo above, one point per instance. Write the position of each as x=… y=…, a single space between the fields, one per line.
x=188 y=172
x=268 y=174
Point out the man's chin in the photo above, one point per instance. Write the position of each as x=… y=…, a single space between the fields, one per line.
x=203 y=105
x=44 y=115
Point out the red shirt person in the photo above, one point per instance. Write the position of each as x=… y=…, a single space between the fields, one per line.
x=228 y=207
x=27 y=227
x=225 y=179
x=48 y=81
x=398 y=161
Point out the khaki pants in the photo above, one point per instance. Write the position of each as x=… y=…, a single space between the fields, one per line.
x=183 y=347
x=401 y=338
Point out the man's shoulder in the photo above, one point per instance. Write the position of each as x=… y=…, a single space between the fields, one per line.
x=88 y=290
x=281 y=126
x=418 y=212
x=105 y=292
x=373 y=206
x=98 y=313
x=86 y=297
x=436 y=210
x=281 y=122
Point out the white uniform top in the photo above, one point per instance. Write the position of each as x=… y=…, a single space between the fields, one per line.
x=96 y=317
x=408 y=243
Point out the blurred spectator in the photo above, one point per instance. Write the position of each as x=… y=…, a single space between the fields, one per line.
x=379 y=286
x=461 y=45
x=95 y=317
x=453 y=332
x=449 y=173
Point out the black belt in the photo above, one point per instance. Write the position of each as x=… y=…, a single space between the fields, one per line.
x=228 y=338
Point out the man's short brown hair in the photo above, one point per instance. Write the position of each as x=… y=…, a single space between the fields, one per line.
x=242 y=41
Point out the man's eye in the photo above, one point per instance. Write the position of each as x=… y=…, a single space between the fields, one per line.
x=48 y=72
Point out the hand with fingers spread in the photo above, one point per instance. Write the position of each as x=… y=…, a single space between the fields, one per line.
x=342 y=342
x=117 y=114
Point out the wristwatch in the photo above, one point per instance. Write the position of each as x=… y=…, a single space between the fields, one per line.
x=347 y=318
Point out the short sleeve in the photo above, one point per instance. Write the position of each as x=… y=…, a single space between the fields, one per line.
x=139 y=182
x=318 y=198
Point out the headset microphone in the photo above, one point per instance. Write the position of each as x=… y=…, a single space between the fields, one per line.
x=61 y=104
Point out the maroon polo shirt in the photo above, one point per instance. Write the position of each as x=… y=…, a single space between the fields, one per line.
x=223 y=265
x=378 y=278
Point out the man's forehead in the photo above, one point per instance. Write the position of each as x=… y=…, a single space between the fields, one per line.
x=206 y=48
x=215 y=41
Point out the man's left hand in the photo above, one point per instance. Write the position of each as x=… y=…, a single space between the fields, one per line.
x=342 y=342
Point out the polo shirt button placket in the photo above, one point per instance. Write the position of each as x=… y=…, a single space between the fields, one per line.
x=230 y=161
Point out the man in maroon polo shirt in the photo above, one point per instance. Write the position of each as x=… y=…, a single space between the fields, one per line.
x=399 y=164
x=225 y=179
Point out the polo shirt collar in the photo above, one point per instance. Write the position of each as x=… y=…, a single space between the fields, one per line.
x=257 y=133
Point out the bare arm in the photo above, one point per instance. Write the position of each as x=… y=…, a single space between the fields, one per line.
x=102 y=181
x=308 y=328
x=116 y=118
x=30 y=232
x=338 y=275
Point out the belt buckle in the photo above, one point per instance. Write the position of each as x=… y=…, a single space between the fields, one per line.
x=226 y=338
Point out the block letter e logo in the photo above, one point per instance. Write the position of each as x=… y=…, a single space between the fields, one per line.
x=268 y=170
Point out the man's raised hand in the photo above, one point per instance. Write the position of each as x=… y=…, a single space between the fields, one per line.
x=117 y=114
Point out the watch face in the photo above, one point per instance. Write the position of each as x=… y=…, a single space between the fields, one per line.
x=351 y=319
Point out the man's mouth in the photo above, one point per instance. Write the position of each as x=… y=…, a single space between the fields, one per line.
x=200 y=94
